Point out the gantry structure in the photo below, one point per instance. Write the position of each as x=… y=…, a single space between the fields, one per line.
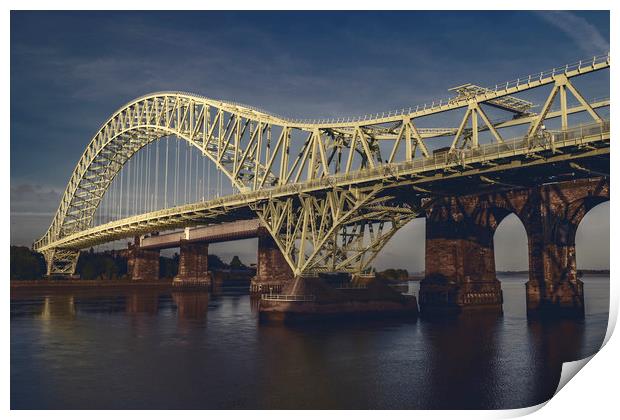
x=331 y=192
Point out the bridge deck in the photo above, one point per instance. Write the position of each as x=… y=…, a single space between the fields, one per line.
x=242 y=229
x=573 y=143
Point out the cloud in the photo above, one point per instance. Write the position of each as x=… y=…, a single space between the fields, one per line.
x=586 y=35
x=32 y=208
x=34 y=199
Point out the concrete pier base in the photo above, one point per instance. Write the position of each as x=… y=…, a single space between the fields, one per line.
x=460 y=264
x=438 y=297
x=142 y=264
x=193 y=266
x=272 y=270
x=553 y=289
x=310 y=298
x=549 y=299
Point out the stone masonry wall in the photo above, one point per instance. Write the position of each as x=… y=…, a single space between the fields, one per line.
x=193 y=262
x=459 y=247
x=272 y=270
x=142 y=264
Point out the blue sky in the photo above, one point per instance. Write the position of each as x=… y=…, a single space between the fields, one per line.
x=71 y=70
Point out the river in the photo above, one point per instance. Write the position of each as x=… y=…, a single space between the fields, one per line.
x=192 y=350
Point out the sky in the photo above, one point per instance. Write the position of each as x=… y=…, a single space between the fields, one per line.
x=71 y=70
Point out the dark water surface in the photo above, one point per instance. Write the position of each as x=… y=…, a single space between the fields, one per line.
x=194 y=350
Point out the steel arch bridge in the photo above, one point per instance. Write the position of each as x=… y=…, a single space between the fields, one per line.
x=330 y=192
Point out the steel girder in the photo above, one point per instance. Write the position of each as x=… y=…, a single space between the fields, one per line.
x=337 y=230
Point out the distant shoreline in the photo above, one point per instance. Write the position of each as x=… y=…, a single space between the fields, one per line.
x=118 y=284
x=584 y=271
x=163 y=283
x=420 y=276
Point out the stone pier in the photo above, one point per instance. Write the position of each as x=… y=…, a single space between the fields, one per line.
x=553 y=218
x=460 y=261
x=193 y=265
x=272 y=270
x=142 y=264
x=310 y=297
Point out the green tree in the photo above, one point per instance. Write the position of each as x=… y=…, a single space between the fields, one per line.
x=215 y=263
x=26 y=264
x=236 y=264
x=107 y=265
x=168 y=267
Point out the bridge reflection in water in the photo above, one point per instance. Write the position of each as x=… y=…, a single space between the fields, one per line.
x=191 y=305
x=190 y=350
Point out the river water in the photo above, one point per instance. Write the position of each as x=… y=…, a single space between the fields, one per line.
x=187 y=350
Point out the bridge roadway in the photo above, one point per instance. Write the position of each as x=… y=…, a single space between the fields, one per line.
x=224 y=232
x=573 y=144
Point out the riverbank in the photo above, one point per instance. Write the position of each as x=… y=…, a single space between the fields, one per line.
x=53 y=285
x=219 y=277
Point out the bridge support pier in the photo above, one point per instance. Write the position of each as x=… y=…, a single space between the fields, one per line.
x=310 y=297
x=460 y=266
x=553 y=287
x=272 y=270
x=193 y=265
x=142 y=264
x=460 y=263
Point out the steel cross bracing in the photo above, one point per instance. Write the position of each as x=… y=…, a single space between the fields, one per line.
x=322 y=189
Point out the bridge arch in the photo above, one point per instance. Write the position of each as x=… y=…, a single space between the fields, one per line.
x=586 y=236
x=511 y=242
x=568 y=204
x=563 y=232
x=494 y=217
x=511 y=253
x=578 y=210
x=143 y=121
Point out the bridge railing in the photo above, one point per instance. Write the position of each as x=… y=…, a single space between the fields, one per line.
x=498 y=88
x=517 y=146
x=512 y=147
x=578 y=65
x=349 y=286
x=289 y=298
x=549 y=140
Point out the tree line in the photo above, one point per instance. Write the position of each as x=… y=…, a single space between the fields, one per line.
x=27 y=264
